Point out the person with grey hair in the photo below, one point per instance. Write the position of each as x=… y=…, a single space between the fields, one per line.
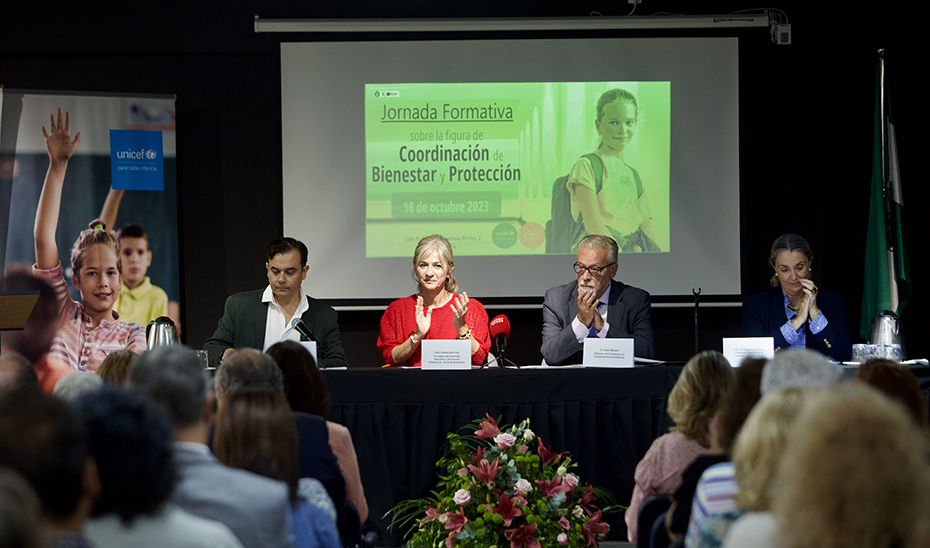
x=595 y=305
x=255 y=508
x=798 y=367
x=15 y=371
x=247 y=368
x=77 y=383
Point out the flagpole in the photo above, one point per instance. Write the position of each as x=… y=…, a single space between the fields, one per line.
x=881 y=86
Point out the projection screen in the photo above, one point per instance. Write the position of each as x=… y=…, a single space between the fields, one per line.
x=501 y=146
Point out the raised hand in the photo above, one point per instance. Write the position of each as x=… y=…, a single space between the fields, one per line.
x=58 y=140
x=459 y=309
x=423 y=320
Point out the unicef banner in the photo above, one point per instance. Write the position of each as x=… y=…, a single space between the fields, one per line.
x=517 y=168
x=126 y=141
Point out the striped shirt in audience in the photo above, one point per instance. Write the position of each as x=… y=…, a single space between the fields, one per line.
x=714 y=495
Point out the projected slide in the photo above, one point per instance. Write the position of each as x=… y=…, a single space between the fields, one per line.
x=517 y=168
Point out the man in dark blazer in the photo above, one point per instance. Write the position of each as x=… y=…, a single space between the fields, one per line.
x=595 y=305
x=253 y=318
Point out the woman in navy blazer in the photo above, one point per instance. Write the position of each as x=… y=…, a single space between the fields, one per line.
x=795 y=312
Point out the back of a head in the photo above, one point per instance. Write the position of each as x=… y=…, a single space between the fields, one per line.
x=742 y=397
x=799 y=367
x=698 y=393
x=854 y=475
x=173 y=377
x=21 y=521
x=42 y=439
x=16 y=371
x=35 y=339
x=898 y=383
x=249 y=369
x=303 y=384
x=115 y=367
x=130 y=439
x=74 y=384
x=761 y=442
x=256 y=431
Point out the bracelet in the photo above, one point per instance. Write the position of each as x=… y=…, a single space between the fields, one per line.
x=413 y=342
x=466 y=335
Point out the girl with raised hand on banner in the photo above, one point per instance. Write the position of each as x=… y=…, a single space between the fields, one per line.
x=90 y=330
x=607 y=193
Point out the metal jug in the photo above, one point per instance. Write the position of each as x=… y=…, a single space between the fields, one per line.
x=161 y=332
x=886 y=329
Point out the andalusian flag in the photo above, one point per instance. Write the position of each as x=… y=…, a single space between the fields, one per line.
x=887 y=278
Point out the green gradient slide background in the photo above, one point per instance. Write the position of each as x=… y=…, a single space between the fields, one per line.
x=552 y=125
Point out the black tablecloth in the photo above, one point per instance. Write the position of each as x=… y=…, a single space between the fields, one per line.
x=606 y=418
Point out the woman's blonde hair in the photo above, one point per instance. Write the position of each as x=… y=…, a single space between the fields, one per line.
x=116 y=366
x=699 y=392
x=761 y=443
x=96 y=233
x=854 y=474
x=441 y=245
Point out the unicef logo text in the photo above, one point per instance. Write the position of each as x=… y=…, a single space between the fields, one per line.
x=141 y=154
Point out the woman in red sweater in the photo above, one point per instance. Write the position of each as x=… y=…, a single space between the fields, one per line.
x=435 y=312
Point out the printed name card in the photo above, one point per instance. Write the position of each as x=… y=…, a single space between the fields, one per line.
x=608 y=352
x=309 y=345
x=136 y=160
x=737 y=349
x=445 y=354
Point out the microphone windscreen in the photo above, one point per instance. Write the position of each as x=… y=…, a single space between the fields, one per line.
x=500 y=325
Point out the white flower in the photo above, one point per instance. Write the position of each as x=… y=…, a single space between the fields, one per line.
x=528 y=435
x=571 y=480
x=504 y=440
x=578 y=512
x=562 y=538
x=561 y=471
x=462 y=497
x=443 y=518
x=522 y=486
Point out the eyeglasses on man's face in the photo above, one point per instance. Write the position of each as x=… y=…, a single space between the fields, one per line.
x=594 y=271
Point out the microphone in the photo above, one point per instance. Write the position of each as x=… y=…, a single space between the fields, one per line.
x=500 y=330
x=302 y=329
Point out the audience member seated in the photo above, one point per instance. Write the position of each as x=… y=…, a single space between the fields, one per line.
x=742 y=396
x=854 y=474
x=115 y=367
x=21 y=521
x=255 y=431
x=77 y=383
x=756 y=454
x=42 y=440
x=130 y=439
x=34 y=340
x=898 y=383
x=698 y=393
x=248 y=368
x=16 y=371
x=255 y=508
x=799 y=367
x=306 y=393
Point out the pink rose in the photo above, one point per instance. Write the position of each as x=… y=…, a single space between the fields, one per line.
x=522 y=486
x=504 y=440
x=562 y=538
x=563 y=523
x=462 y=497
x=463 y=472
x=570 y=480
x=522 y=448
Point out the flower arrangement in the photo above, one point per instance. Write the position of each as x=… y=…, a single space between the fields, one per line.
x=494 y=492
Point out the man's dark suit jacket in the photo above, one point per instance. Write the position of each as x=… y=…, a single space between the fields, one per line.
x=764 y=314
x=243 y=326
x=628 y=314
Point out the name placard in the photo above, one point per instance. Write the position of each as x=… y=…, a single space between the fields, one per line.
x=309 y=345
x=445 y=354
x=737 y=349
x=608 y=352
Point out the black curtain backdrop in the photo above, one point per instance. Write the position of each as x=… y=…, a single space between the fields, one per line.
x=805 y=134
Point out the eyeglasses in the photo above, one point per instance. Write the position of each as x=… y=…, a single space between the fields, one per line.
x=592 y=270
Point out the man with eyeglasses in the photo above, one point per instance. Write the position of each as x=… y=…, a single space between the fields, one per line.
x=258 y=319
x=595 y=305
